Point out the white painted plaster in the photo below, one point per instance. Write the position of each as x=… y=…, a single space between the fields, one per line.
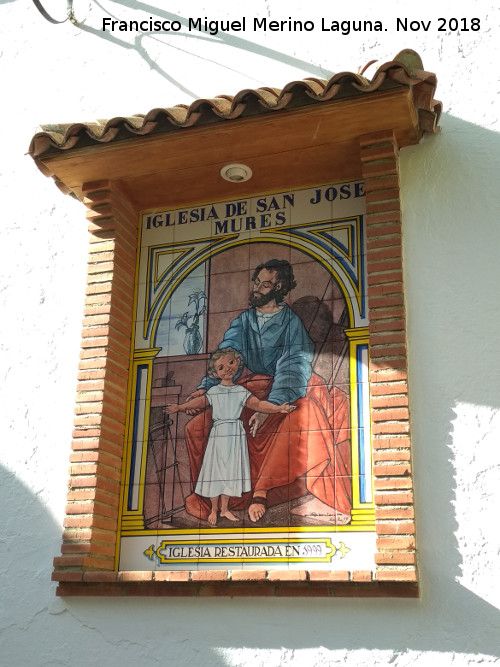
x=450 y=195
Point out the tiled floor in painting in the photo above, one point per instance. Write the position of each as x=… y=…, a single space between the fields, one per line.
x=305 y=511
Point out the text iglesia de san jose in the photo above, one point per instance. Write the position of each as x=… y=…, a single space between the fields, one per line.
x=234 y=216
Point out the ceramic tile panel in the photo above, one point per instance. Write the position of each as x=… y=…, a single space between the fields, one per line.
x=249 y=421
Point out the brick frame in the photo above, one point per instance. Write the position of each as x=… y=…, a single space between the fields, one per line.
x=86 y=566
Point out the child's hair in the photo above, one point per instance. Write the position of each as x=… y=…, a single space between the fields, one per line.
x=222 y=353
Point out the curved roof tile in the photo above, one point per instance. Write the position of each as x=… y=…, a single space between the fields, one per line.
x=406 y=70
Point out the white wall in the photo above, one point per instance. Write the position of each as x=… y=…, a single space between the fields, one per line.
x=450 y=186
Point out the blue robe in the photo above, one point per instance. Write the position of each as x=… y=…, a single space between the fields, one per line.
x=281 y=348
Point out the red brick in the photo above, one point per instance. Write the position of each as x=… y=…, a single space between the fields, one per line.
x=394 y=498
x=182 y=576
x=387 y=351
x=83 y=469
x=393 y=483
x=393 y=238
x=89 y=522
x=210 y=575
x=90 y=385
x=390 y=414
x=382 y=442
x=381 y=183
x=95 y=300
x=87 y=482
x=394 y=513
x=101 y=577
x=287 y=575
x=88 y=548
x=385 y=167
x=67 y=576
x=135 y=576
x=383 y=265
x=396 y=543
x=390 y=428
x=87 y=590
x=396 y=528
x=382 y=194
x=385 y=290
x=71 y=560
x=391 y=252
x=329 y=576
x=76 y=508
x=361 y=575
x=379 y=207
x=382 y=389
x=398 y=470
x=248 y=575
x=392 y=401
x=385 y=277
x=381 y=319
x=386 y=325
x=96 y=311
x=379 y=224
x=389 y=374
x=381 y=303
x=379 y=365
x=395 y=558
x=90 y=397
x=388 y=442
x=396 y=575
x=384 y=455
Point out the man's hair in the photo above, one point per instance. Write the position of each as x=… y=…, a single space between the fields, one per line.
x=211 y=372
x=284 y=275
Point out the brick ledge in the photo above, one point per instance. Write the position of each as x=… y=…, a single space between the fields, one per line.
x=250 y=583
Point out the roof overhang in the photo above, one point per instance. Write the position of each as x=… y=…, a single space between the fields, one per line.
x=306 y=134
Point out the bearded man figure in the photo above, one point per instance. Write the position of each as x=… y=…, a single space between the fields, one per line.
x=306 y=450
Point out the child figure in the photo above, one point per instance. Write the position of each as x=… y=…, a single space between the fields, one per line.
x=225 y=470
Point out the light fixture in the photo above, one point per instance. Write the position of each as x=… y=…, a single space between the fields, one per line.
x=236 y=173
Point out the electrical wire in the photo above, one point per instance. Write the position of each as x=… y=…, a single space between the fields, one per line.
x=46 y=15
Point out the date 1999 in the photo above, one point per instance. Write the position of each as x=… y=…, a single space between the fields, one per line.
x=312 y=549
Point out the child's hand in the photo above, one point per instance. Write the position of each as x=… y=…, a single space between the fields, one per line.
x=286 y=408
x=171 y=409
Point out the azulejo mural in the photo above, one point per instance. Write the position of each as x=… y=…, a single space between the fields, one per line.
x=248 y=441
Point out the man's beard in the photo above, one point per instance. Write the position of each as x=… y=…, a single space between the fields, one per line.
x=257 y=299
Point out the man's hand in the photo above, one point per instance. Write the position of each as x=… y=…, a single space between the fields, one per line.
x=194 y=411
x=256 y=421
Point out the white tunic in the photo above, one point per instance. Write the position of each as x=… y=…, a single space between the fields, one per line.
x=226 y=465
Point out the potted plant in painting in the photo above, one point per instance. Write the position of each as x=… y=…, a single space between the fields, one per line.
x=192 y=338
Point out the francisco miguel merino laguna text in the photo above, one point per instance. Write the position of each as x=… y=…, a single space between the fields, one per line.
x=213 y=27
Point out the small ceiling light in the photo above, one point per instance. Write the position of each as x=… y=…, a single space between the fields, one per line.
x=236 y=173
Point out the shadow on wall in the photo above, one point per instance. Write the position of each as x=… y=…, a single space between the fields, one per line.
x=138 y=44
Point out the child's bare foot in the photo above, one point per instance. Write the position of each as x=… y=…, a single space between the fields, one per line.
x=212 y=518
x=229 y=515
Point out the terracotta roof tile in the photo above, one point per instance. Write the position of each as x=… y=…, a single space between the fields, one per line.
x=406 y=70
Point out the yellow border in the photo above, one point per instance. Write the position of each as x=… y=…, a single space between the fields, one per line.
x=146 y=357
x=362 y=513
